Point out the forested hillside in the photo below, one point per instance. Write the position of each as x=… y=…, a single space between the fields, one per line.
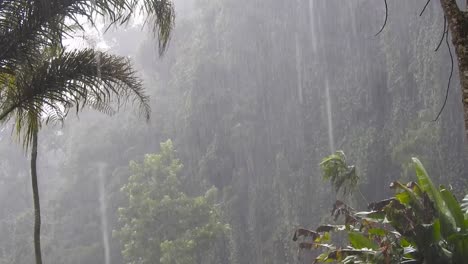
x=253 y=94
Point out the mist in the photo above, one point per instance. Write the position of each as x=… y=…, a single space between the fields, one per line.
x=246 y=102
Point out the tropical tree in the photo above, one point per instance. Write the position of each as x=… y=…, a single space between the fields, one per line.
x=37 y=89
x=162 y=224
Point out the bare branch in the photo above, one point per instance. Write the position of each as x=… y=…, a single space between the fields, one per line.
x=386 y=18
x=425 y=6
x=443 y=34
x=449 y=80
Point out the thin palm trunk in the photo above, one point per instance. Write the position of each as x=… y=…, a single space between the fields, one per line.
x=37 y=209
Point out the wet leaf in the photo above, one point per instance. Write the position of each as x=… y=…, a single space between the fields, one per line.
x=464 y=204
x=328 y=228
x=377 y=231
x=454 y=208
x=374 y=215
x=378 y=206
x=305 y=233
x=360 y=241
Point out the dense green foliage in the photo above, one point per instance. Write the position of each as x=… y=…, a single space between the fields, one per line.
x=420 y=224
x=161 y=224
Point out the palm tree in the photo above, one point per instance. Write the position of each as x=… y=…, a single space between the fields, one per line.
x=37 y=89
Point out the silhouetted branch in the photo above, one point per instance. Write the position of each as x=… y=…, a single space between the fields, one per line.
x=424 y=9
x=443 y=34
x=449 y=80
x=386 y=18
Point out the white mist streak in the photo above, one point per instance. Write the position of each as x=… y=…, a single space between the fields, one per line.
x=331 y=141
x=299 y=69
x=312 y=26
x=103 y=210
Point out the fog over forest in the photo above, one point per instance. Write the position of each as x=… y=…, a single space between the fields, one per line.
x=247 y=101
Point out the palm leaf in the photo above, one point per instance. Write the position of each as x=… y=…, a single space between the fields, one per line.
x=342 y=176
x=71 y=80
x=27 y=26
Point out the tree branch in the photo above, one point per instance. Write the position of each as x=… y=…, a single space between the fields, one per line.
x=443 y=34
x=386 y=18
x=450 y=77
x=425 y=6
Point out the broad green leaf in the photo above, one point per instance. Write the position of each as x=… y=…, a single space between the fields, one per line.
x=359 y=241
x=436 y=230
x=424 y=181
x=454 y=208
x=405 y=243
x=412 y=197
x=378 y=232
x=446 y=219
x=403 y=198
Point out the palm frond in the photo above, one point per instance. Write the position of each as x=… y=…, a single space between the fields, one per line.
x=35 y=87
x=26 y=25
x=342 y=176
x=71 y=80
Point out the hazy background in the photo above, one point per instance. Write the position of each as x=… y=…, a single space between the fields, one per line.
x=253 y=94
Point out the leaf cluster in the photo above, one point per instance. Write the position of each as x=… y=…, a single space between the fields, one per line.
x=420 y=224
x=342 y=176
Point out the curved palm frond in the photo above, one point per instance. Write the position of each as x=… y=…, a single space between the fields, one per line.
x=26 y=26
x=71 y=80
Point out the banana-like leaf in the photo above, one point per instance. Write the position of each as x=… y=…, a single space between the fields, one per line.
x=447 y=220
x=454 y=208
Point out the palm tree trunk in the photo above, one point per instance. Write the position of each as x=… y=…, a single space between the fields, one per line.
x=37 y=209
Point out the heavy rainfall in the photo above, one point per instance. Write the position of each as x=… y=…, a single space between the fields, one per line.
x=233 y=131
